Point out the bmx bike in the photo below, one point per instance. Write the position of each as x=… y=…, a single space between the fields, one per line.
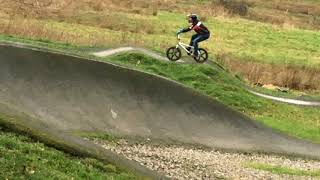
x=174 y=52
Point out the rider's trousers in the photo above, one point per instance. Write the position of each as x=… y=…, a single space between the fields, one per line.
x=196 y=39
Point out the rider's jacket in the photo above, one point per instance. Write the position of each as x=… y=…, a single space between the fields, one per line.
x=198 y=27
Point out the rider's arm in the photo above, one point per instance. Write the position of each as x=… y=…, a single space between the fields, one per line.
x=185 y=30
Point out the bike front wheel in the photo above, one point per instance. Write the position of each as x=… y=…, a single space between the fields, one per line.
x=202 y=57
x=173 y=53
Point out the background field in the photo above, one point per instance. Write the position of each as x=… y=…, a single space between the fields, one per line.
x=273 y=42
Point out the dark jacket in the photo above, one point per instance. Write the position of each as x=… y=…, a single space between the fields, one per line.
x=198 y=27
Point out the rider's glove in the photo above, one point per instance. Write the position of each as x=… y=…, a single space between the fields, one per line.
x=179 y=32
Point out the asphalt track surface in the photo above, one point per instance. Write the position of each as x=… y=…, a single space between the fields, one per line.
x=70 y=94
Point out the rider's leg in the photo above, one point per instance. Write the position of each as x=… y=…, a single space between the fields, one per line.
x=199 y=38
x=192 y=39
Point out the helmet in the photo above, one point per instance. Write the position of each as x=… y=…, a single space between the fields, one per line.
x=193 y=18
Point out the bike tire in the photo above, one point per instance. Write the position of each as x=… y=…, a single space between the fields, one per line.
x=173 y=53
x=203 y=56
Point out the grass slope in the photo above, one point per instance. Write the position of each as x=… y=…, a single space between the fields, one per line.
x=23 y=158
x=284 y=170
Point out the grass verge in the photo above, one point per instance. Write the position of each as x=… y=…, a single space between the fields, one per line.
x=24 y=158
x=59 y=143
x=284 y=170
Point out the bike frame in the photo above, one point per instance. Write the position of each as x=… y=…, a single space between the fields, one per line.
x=183 y=45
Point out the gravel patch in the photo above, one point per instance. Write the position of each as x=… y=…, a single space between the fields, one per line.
x=180 y=162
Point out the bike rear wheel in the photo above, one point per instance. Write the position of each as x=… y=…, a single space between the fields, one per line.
x=173 y=53
x=203 y=56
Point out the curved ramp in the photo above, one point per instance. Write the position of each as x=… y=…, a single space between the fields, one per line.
x=74 y=94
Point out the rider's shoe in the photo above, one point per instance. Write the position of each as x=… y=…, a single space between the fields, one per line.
x=189 y=49
x=196 y=55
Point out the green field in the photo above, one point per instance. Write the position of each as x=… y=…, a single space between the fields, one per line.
x=284 y=170
x=21 y=157
x=244 y=39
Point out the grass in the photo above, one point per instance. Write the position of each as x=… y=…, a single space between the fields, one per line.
x=284 y=170
x=23 y=158
x=302 y=13
x=290 y=76
x=242 y=38
x=265 y=43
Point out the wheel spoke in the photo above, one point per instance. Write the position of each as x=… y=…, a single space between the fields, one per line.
x=173 y=54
